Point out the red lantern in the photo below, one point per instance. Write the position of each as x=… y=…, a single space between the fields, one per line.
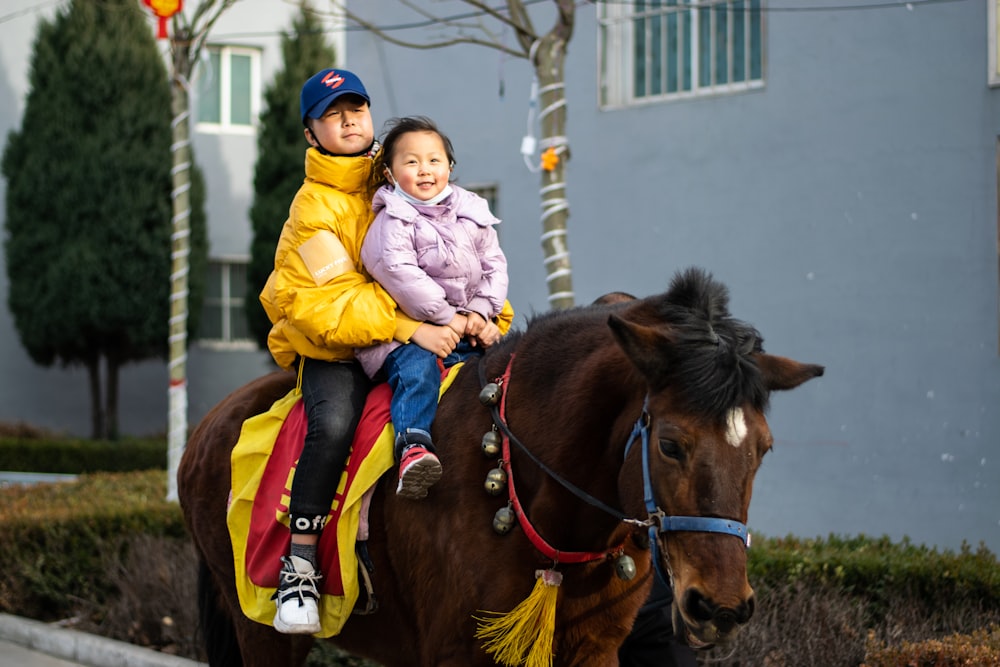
x=164 y=9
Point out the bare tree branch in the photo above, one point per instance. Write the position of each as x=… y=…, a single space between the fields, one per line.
x=547 y=55
x=520 y=25
x=196 y=29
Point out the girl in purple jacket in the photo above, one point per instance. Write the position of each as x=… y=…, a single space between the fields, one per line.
x=433 y=247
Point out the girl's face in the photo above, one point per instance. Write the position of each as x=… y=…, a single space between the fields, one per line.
x=420 y=165
x=345 y=128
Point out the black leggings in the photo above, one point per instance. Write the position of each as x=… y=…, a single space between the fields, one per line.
x=334 y=394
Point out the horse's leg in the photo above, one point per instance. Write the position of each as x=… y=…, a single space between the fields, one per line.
x=263 y=646
x=215 y=623
x=227 y=638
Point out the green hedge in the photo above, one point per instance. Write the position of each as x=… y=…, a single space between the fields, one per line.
x=52 y=537
x=860 y=598
x=69 y=456
x=880 y=571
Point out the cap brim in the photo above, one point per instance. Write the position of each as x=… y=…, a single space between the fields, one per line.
x=316 y=110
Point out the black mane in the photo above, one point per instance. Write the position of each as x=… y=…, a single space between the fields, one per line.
x=707 y=356
x=711 y=357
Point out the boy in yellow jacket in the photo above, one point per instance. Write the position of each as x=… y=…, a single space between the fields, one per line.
x=322 y=306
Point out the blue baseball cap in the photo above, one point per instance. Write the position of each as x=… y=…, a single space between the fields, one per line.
x=324 y=87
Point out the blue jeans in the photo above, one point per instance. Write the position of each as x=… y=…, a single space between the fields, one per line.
x=333 y=394
x=415 y=379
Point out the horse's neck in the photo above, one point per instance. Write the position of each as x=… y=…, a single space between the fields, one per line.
x=575 y=417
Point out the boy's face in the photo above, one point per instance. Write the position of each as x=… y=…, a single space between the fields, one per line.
x=345 y=128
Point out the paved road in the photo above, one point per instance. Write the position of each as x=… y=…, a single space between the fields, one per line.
x=28 y=643
x=15 y=655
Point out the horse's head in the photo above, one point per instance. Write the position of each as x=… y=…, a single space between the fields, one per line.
x=708 y=384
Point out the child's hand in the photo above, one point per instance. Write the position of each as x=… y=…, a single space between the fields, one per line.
x=440 y=340
x=459 y=323
x=474 y=324
x=489 y=335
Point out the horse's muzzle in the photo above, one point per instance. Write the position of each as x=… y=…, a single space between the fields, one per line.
x=706 y=623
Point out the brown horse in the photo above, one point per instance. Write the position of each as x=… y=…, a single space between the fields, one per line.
x=635 y=431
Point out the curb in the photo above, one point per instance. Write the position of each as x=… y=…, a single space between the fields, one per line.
x=82 y=647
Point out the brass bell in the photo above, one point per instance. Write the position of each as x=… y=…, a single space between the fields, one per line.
x=496 y=481
x=491 y=444
x=625 y=567
x=490 y=394
x=503 y=520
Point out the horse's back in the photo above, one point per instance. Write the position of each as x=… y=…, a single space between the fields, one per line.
x=204 y=470
x=208 y=448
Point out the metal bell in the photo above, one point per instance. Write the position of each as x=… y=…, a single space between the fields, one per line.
x=625 y=567
x=503 y=520
x=490 y=394
x=496 y=481
x=491 y=444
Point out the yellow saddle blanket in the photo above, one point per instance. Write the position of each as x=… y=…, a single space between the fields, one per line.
x=263 y=465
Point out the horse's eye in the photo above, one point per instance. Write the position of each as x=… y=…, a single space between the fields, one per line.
x=671 y=449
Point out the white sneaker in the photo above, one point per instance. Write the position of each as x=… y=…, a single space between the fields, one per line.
x=297 y=598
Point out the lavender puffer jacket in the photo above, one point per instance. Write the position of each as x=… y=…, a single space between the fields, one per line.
x=434 y=261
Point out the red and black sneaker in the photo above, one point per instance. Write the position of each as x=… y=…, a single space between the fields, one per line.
x=419 y=469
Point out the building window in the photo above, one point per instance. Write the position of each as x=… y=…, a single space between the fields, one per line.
x=488 y=192
x=223 y=314
x=491 y=194
x=228 y=88
x=652 y=50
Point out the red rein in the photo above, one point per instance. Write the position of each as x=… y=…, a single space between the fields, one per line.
x=537 y=541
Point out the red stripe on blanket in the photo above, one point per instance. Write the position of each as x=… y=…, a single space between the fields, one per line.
x=269 y=538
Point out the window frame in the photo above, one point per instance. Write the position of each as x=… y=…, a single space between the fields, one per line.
x=222 y=80
x=490 y=191
x=228 y=304
x=617 y=58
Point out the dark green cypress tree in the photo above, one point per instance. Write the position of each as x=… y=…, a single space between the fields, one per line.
x=88 y=199
x=281 y=154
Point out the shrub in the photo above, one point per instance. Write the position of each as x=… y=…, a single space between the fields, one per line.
x=110 y=551
x=981 y=648
x=819 y=600
x=151 y=601
x=71 y=456
x=52 y=537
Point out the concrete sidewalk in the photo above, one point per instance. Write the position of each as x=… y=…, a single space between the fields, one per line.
x=29 y=643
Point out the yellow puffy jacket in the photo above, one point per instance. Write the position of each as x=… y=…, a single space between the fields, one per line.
x=321 y=302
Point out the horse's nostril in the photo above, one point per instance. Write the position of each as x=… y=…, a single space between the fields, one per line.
x=703 y=610
x=725 y=620
x=698 y=606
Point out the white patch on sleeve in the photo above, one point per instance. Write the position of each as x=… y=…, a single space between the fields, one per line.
x=736 y=427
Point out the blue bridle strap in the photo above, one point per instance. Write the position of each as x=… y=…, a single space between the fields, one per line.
x=699 y=524
x=705 y=524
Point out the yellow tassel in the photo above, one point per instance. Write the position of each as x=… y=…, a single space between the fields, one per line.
x=523 y=636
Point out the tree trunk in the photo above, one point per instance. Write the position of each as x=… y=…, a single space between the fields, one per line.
x=549 y=68
x=111 y=396
x=96 y=414
x=180 y=245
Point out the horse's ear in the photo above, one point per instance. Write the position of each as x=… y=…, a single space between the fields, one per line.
x=783 y=373
x=644 y=345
